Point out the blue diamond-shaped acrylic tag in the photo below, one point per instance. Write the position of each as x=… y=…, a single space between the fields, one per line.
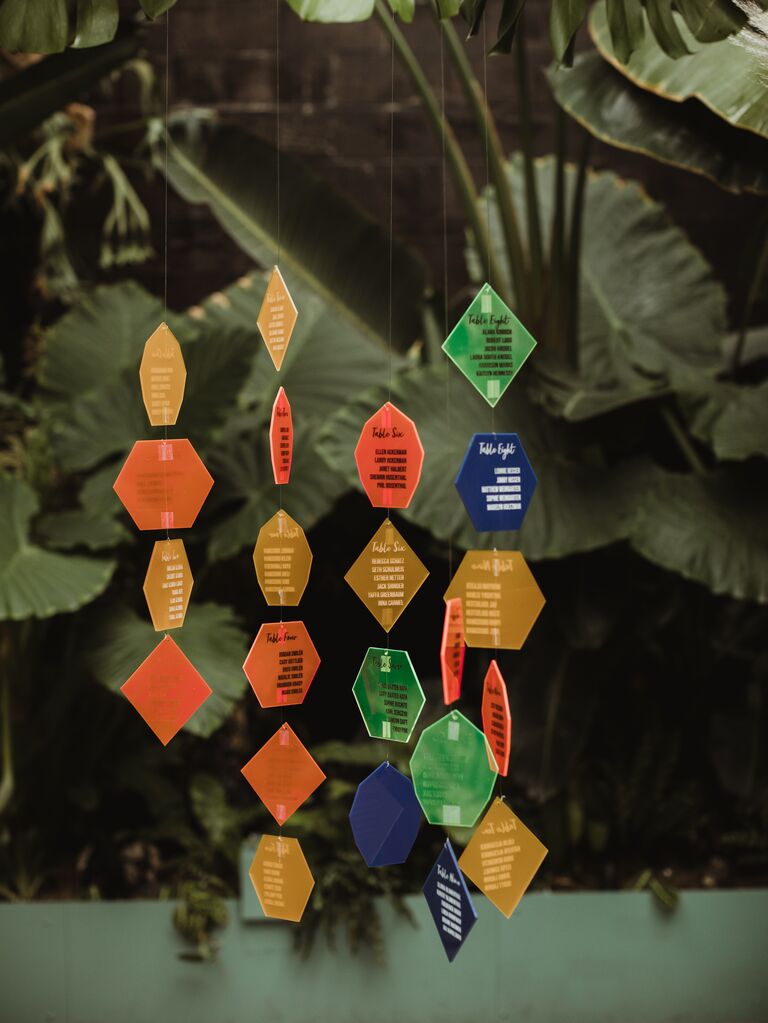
x=496 y=482
x=449 y=901
x=385 y=817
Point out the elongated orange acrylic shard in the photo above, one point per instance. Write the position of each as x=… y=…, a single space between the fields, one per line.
x=281 y=878
x=163 y=484
x=277 y=318
x=282 y=560
x=452 y=649
x=283 y=773
x=497 y=720
x=281 y=664
x=387 y=575
x=502 y=857
x=281 y=438
x=166 y=689
x=168 y=584
x=163 y=375
x=389 y=457
x=499 y=596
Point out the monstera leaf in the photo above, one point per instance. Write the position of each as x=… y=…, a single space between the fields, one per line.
x=36 y=583
x=733 y=420
x=211 y=638
x=343 y=11
x=685 y=135
x=45 y=26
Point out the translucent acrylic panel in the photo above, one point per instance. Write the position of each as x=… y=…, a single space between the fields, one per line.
x=283 y=774
x=168 y=585
x=281 y=438
x=282 y=560
x=386 y=575
x=497 y=720
x=281 y=664
x=277 y=318
x=388 y=694
x=496 y=482
x=163 y=484
x=162 y=375
x=281 y=878
x=449 y=902
x=389 y=457
x=385 y=817
x=452 y=649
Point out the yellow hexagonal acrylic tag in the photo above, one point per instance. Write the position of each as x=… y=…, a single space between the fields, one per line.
x=168 y=584
x=502 y=857
x=282 y=559
x=281 y=877
x=277 y=317
x=163 y=375
x=499 y=596
x=386 y=575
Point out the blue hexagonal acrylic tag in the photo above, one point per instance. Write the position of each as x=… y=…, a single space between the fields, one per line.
x=496 y=482
x=449 y=901
x=385 y=817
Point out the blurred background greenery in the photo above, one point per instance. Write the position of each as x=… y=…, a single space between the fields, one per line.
x=638 y=703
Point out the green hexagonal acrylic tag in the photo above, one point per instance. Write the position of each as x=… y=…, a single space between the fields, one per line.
x=453 y=771
x=489 y=344
x=388 y=694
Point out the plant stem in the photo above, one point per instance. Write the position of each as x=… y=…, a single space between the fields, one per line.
x=558 y=295
x=684 y=443
x=760 y=271
x=462 y=176
x=531 y=193
x=573 y=279
x=496 y=167
x=6 y=780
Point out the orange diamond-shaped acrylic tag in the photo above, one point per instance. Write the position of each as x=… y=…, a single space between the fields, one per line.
x=163 y=484
x=283 y=773
x=387 y=575
x=502 y=857
x=166 y=689
x=281 y=664
x=497 y=720
x=282 y=559
x=162 y=375
x=499 y=596
x=281 y=438
x=277 y=317
x=168 y=584
x=452 y=649
x=281 y=878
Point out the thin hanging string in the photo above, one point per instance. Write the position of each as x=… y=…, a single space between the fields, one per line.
x=444 y=188
x=167 y=91
x=487 y=178
x=277 y=123
x=391 y=186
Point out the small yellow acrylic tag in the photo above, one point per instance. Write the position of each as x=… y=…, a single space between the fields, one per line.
x=168 y=584
x=281 y=877
x=163 y=375
x=277 y=318
x=282 y=559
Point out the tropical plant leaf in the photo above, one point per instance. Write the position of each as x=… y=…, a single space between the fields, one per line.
x=97 y=22
x=325 y=241
x=38 y=27
x=565 y=17
x=211 y=638
x=77 y=527
x=664 y=27
x=35 y=583
x=154 y=8
x=37 y=92
x=332 y=11
x=711 y=20
x=686 y=135
x=626 y=26
x=726 y=76
x=733 y=420
x=707 y=528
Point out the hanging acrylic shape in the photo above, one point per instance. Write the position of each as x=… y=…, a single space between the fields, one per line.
x=453 y=771
x=388 y=694
x=277 y=318
x=387 y=575
x=166 y=689
x=385 y=817
x=282 y=560
x=489 y=344
x=281 y=438
x=499 y=597
x=389 y=457
x=281 y=664
x=449 y=901
x=168 y=585
x=502 y=857
x=283 y=774
x=162 y=375
x=496 y=482
x=281 y=878
x=497 y=720
x=163 y=484
x=452 y=650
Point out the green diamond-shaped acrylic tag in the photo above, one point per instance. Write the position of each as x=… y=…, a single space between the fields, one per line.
x=489 y=344
x=388 y=694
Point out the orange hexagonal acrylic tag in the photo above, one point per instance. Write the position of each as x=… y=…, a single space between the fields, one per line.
x=502 y=857
x=166 y=689
x=389 y=457
x=497 y=720
x=163 y=484
x=282 y=559
x=168 y=584
x=452 y=650
x=281 y=878
x=283 y=773
x=163 y=375
x=277 y=317
x=499 y=597
x=281 y=664
x=386 y=575
x=281 y=438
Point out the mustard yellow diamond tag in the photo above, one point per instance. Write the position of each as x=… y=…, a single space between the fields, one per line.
x=387 y=575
